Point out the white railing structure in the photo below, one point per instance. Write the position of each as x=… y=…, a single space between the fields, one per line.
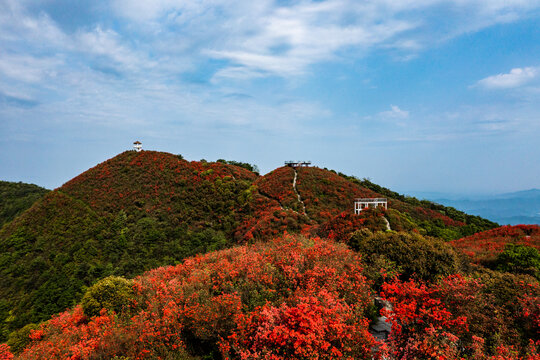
x=364 y=203
x=298 y=163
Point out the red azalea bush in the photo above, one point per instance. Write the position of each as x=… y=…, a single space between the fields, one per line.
x=422 y=326
x=287 y=299
x=484 y=247
x=70 y=335
x=5 y=354
x=268 y=220
x=278 y=185
x=458 y=318
x=316 y=326
x=342 y=226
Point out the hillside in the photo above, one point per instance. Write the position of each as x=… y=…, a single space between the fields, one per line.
x=290 y=298
x=17 y=197
x=139 y=211
x=325 y=195
x=129 y=214
x=484 y=247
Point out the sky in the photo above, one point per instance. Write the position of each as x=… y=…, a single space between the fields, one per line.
x=416 y=95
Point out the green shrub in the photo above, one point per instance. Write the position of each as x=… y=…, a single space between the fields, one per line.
x=519 y=259
x=358 y=238
x=411 y=254
x=111 y=293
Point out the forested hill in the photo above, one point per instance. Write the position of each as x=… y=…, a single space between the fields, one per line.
x=15 y=197
x=142 y=210
x=131 y=213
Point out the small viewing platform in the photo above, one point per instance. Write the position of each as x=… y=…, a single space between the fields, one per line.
x=296 y=164
x=364 y=203
x=137 y=145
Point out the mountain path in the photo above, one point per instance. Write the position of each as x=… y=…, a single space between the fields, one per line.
x=387 y=223
x=298 y=194
x=382 y=327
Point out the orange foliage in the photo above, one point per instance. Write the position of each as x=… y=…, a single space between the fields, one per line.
x=485 y=246
x=286 y=299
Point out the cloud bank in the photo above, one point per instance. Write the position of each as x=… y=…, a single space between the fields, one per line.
x=515 y=78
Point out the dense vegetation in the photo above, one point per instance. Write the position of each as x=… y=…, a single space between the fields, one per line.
x=327 y=194
x=467 y=224
x=290 y=298
x=132 y=213
x=407 y=254
x=17 y=197
x=251 y=167
x=486 y=317
x=484 y=247
x=84 y=242
x=284 y=299
x=512 y=249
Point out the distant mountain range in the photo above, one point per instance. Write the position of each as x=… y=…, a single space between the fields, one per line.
x=521 y=207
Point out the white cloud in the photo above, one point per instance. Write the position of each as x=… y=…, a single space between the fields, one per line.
x=515 y=78
x=157 y=41
x=28 y=68
x=394 y=113
x=258 y=38
x=265 y=38
x=16 y=26
x=108 y=43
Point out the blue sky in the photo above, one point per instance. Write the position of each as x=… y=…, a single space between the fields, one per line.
x=417 y=95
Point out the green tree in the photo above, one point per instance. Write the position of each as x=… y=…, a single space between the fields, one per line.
x=111 y=293
x=519 y=259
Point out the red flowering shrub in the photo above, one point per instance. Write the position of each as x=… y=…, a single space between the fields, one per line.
x=422 y=326
x=510 y=353
x=278 y=185
x=289 y=298
x=342 y=226
x=530 y=306
x=268 y=220
x=70 y=336
x=314 y=326
x=5 y=354
x=484 y=247
x=455 y=318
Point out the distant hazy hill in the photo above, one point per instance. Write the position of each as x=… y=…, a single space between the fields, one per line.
x=15 y=197
x=522 y=207
x=139 y=211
